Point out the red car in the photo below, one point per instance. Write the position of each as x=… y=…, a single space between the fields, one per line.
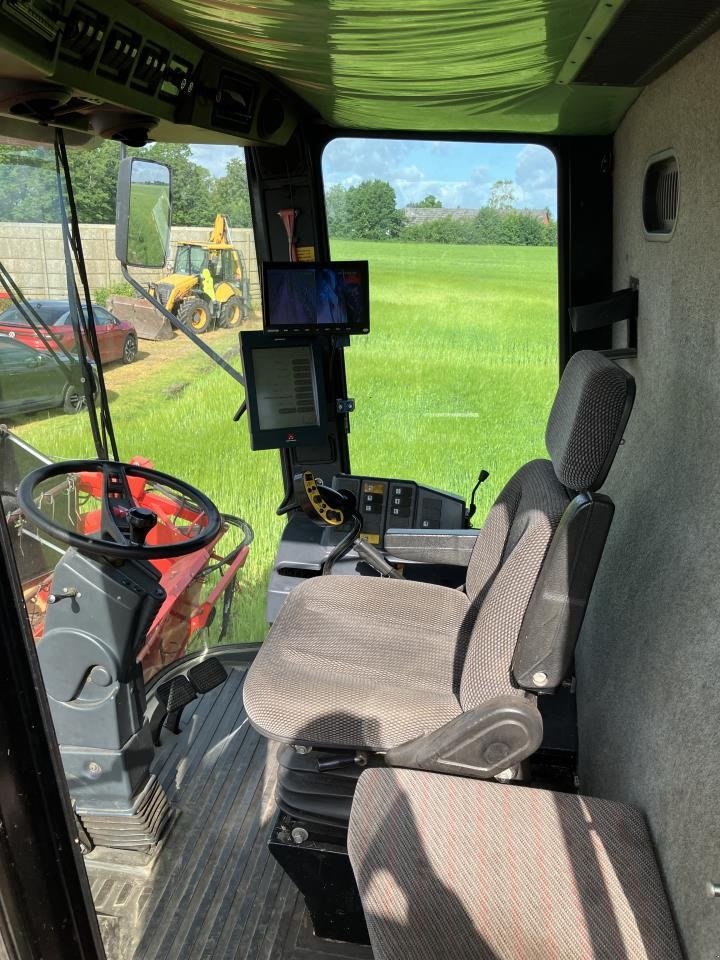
x=117 y=338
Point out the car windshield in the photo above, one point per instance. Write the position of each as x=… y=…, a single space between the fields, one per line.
x=51 y=313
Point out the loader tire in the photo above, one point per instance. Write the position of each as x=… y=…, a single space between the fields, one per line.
x=234 y=312
x=195 y=313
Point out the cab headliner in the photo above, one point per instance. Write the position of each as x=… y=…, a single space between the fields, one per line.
x=426 y=65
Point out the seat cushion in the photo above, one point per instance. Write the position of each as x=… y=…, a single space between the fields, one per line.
x=360 y=662
x=449 y=867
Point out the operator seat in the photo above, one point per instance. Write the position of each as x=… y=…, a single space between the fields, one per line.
x=414 y=670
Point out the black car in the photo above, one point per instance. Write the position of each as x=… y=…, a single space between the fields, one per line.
x=34 y=379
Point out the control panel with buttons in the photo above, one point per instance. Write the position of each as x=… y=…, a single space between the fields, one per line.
x=400 y=504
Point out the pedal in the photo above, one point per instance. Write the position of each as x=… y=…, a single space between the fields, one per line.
x=207 y=675
x=175 y=695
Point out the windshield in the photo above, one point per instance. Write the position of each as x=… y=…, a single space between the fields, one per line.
x=170 y=405
x=191 y=260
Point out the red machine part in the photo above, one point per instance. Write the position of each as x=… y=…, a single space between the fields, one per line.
x=288 y=217
x=183 y=612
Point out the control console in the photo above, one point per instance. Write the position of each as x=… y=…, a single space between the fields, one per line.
x=403 y=504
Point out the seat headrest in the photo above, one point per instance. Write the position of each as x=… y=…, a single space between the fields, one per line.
x=588 y=418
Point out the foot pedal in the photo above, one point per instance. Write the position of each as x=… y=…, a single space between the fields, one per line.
x=207 y=675
x=175 y=695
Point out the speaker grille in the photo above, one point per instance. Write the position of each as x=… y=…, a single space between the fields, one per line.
x=646 y=38
x=661 y=194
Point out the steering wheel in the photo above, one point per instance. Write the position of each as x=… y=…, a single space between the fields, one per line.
x=124 y=524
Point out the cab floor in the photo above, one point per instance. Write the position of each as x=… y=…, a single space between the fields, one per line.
x=214 y=891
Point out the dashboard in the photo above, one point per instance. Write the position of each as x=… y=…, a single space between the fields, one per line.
x=385 y=503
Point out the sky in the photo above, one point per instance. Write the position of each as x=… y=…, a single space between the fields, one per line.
x=458 y=174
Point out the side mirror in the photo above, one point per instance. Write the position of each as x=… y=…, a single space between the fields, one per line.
x=143 y=213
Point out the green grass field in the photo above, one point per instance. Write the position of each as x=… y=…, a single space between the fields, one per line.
x=457 y=374
x=148 y=223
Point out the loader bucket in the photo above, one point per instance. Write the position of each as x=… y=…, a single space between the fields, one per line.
x=149 y=323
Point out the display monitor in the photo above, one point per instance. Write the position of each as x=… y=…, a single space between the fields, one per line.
x=302 y=298
x=284 y=390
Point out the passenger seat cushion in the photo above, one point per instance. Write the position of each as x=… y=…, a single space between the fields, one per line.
x=474 y=870
x=588 y=418
x=360 y=662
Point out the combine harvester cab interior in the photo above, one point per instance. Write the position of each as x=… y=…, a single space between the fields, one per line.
x=358 y=384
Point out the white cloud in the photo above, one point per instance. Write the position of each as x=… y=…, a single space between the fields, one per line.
x=215 y=157
x=349 y=161
x=536 y=177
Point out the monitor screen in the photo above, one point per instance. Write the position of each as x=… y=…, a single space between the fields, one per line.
x=283 y=390
x=286 y=391
x=316 y=297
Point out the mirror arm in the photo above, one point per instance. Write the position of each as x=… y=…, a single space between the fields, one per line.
x=178 y=325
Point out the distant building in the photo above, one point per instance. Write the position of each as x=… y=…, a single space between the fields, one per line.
x=426 y=214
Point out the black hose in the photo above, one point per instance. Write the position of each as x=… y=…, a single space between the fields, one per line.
x=83 y=323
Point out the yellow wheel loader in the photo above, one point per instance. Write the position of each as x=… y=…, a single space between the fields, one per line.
x=208 y=287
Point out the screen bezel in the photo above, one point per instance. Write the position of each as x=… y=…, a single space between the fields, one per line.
x=264 y=439
x=361 y=266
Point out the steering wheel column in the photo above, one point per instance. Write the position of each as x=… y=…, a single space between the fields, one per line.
x=105 y=595
x=93 y=631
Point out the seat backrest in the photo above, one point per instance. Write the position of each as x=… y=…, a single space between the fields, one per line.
x=588 y=419
x=584 y=430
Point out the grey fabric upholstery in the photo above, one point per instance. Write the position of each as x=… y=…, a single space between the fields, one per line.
x=354 y=662
x=359 y=662
x=449 y=867
x=587 y=419
x=502 y=573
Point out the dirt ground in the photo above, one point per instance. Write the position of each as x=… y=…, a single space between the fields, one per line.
x=179 y=353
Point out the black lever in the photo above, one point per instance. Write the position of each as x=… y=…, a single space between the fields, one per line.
x=337 y=762
x=141 y=521
x=482 y=477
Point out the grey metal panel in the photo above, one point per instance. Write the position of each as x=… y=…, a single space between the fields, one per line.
x=432 y=546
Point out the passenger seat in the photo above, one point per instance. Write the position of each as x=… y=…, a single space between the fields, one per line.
x=475 y=870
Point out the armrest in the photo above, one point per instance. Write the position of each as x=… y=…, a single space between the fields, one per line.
x=480 y=743
x=432 y=546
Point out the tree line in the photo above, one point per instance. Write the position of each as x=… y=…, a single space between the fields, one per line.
x=368 y=211
x=28 y=187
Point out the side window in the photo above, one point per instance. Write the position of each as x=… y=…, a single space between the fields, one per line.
x=461 y=364
x=101 y=317
x=160 y=382
x=229 y=267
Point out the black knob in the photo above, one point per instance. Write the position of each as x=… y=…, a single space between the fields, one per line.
x=141 y=521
